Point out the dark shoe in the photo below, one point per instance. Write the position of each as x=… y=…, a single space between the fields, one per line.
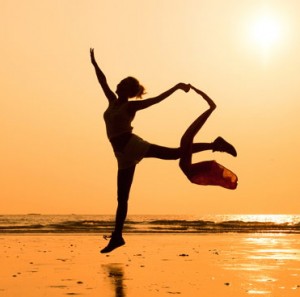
x=220 y=145
x=114 y=243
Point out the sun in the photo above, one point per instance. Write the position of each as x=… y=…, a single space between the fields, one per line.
x=266 y=32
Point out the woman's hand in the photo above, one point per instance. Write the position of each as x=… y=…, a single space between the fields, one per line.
x=93 y=60
x=184 y=87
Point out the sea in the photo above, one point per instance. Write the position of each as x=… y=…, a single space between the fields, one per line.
x=103 y=224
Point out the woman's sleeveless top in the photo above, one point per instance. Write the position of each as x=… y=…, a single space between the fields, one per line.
x=118 y=119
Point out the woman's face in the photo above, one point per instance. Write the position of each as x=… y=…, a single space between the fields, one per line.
x=121 y=88
x=127 y=88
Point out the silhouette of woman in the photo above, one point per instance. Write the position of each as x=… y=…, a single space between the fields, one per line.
x=130 y=149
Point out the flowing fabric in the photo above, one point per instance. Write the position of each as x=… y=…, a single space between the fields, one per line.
x=212 y=173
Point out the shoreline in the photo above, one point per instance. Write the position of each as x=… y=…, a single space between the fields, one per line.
x=136 y=224
x=151 y=265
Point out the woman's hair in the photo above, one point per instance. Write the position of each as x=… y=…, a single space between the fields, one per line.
x=133 y=87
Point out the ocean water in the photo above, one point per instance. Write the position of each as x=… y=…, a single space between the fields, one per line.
x=85 y=224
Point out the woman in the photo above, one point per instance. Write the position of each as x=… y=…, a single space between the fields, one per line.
x=128 y=148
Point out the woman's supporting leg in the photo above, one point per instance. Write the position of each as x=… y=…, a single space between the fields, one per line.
x=125 y=178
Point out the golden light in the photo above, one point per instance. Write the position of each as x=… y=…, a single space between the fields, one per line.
x=266 y=32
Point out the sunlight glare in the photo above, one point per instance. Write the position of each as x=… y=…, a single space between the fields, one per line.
x=266 y=32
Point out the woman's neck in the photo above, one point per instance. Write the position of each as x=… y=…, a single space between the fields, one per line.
x=122 y=99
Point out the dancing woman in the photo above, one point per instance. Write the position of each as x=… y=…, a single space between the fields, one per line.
x=129 y=148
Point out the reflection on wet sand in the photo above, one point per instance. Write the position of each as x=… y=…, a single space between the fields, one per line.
x=267 y=255
x=115 y=273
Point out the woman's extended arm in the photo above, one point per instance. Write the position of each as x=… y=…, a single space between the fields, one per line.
x=110 y=95
x=210 y=102
x=142 y=104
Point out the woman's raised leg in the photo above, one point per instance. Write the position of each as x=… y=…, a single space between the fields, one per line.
x=167 y=153
x=186 y=143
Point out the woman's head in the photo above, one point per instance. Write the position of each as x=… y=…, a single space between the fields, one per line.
x=130 y=87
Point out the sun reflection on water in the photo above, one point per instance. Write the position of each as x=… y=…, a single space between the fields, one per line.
x=267 y=263
x=265 y=218
x=278 y=254
x=273 y=247
x=258 y=292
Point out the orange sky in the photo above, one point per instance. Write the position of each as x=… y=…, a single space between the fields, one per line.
x=54 y=154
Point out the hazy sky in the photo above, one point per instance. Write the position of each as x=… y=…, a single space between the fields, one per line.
x=54 y=154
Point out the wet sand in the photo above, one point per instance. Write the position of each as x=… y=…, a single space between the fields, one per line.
x=206 y=265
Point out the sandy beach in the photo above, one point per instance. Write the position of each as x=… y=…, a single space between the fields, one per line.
x=207 y=265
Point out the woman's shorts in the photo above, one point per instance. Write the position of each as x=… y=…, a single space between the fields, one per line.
x=134 y=151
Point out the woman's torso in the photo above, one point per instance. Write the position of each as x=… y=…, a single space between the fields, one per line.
x=118 y=120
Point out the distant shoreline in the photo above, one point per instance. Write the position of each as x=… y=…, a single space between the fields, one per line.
x=144 y=224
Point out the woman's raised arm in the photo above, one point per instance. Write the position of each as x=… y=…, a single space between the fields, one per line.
x=110 y=95
x=142 y=104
